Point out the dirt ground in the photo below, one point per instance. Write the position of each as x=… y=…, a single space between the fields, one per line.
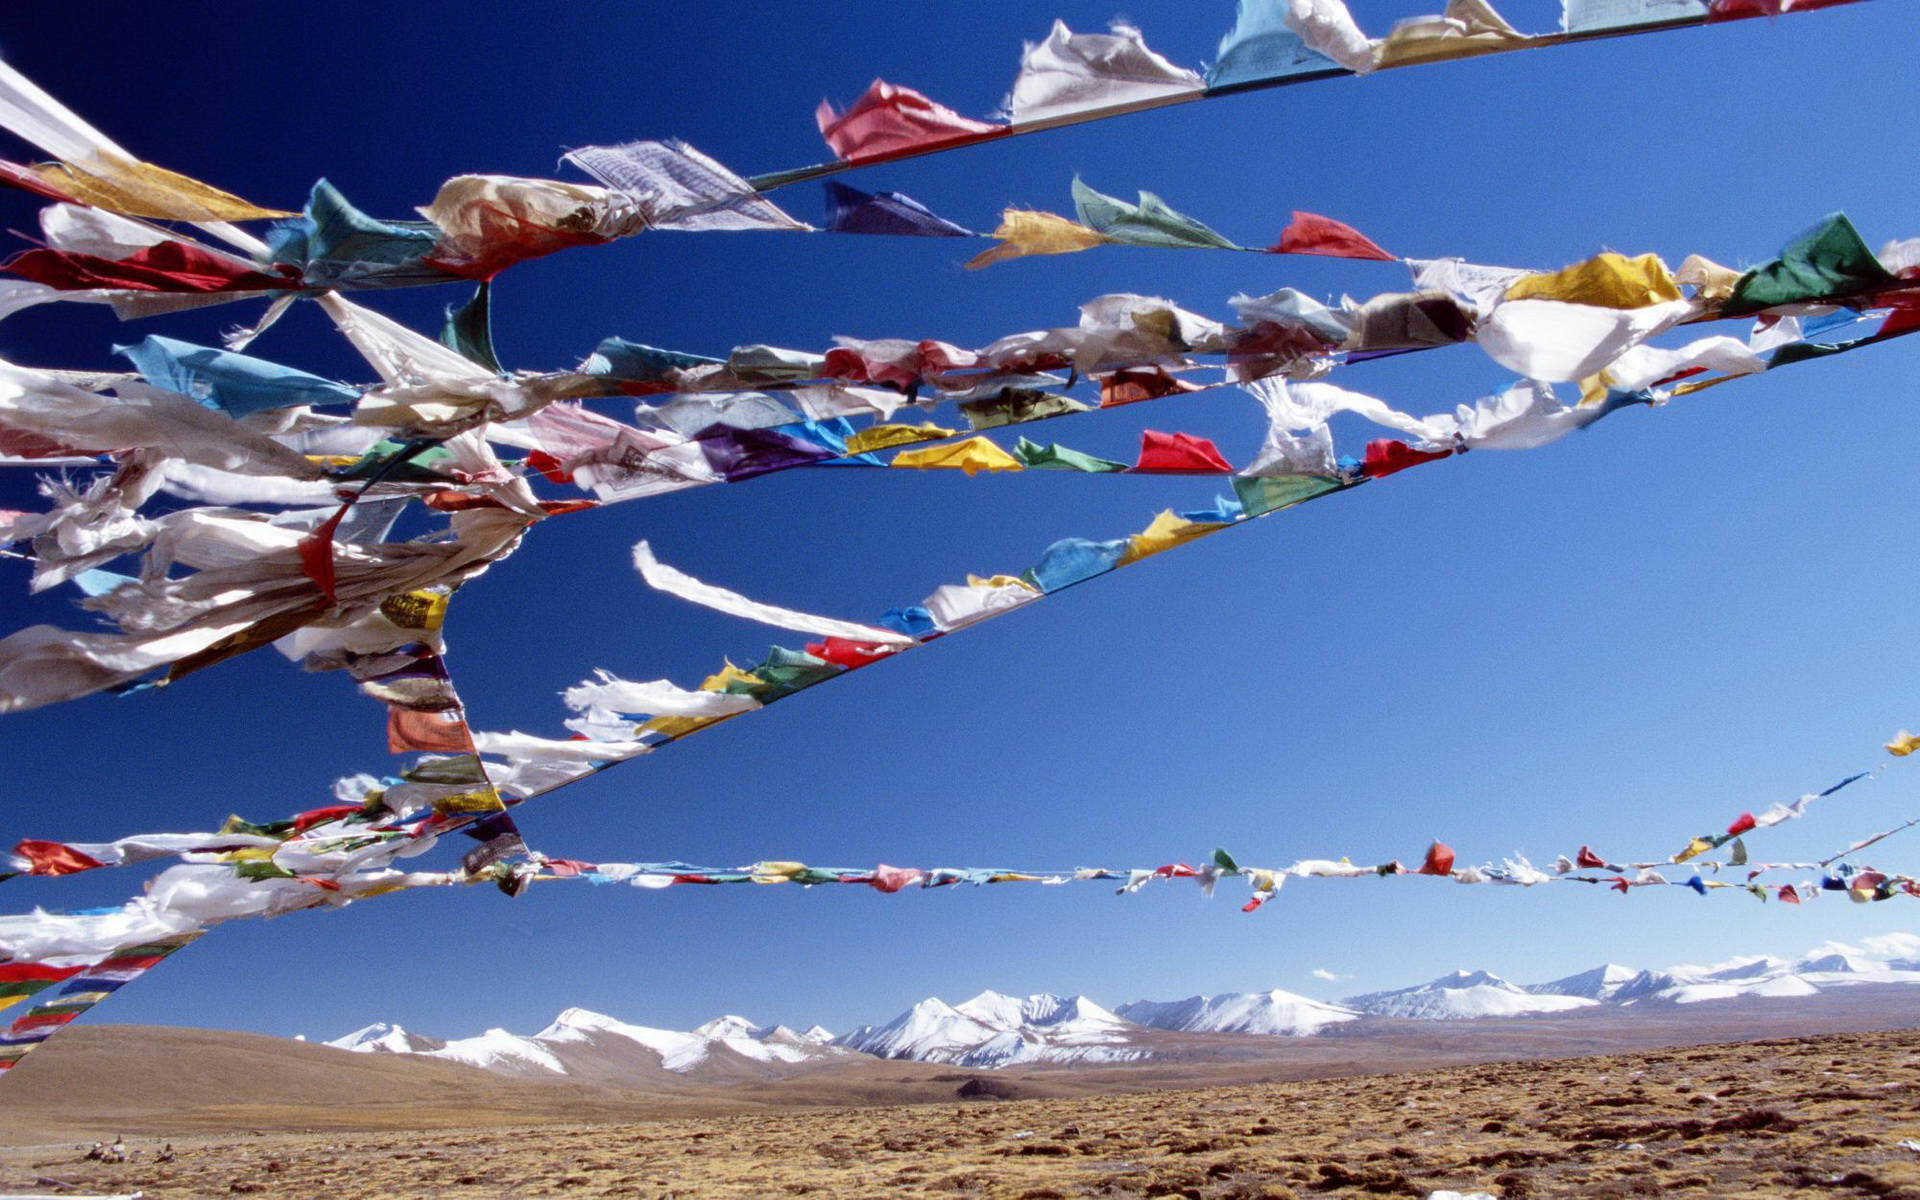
x=1813 y=1116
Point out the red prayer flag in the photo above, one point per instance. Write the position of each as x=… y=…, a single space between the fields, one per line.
x=1385 y=456
x=1180 y=454
x=890 y=121
x=21 y=972
x=22 y=443
x=320 y=816
x=549 y=466
x=502 y=239
x=892 y=879
x=1732 y=10
x=163 y=267
x=1587 y=858
x=1134 y=384
x=1741 y=824
x=55 y=858
x=1788 y=895
x=1439 y=860
x=1311 y=233
x=1905 y=318
x=316 y=552
x=845 y=652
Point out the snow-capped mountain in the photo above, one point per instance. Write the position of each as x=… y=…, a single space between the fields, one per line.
x=381 y=1037
x=1463 y=994
x=580 y=1036
x=992 y=1030
x=1275 y=1012
x=1828 y=966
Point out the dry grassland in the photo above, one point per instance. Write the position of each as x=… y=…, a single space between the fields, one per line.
x=1819 y=1116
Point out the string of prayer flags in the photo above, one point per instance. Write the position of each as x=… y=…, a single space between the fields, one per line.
x=85 y=986
x=321 y=578
x=481 y=224
x=732 y=437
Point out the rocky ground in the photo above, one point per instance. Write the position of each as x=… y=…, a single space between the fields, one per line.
x=1822 y=1116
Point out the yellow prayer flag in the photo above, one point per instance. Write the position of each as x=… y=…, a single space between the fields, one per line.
x=479 y=800
x=1000 y=581
x=1695 y=849
x=972 y=456
x=881 y=437
x=139 y=189
x=1166 y=532
x=1606 y=280
x=679 y=727
x=1903 y=744
x=1467 y=27
x=423 y=609
x=1023 y=232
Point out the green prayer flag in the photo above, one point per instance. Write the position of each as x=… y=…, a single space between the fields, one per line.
x=1795 y=352
x=469 y=329
x=1148 y=223
x=24 y=987
x=1015 y=405
x=785 y=672
x=1828 y=260
x=1055 y=457
x=1268 y=493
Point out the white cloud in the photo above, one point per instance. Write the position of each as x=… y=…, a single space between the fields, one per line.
x=1324 y=974
x=1893 y=945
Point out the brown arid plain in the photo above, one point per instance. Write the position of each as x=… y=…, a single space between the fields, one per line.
x=1525 y=1107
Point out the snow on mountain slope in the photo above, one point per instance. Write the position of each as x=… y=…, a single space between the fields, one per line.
x=992 y=1030
x=1778 y=985
x=1464 y=995
x=678 y=1052
x=930 y=1031
x=1274 y=1013
x=498 y=1050
x=382 y=1038
x=995 y=1030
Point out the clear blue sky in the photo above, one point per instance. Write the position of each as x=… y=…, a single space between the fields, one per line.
x=1623 y=639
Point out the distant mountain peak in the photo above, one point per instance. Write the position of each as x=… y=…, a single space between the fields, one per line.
x=730 y=1026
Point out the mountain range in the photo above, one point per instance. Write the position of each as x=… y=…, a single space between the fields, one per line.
x=994 y=1031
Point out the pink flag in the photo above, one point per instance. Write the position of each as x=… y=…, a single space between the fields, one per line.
x=889 y=121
